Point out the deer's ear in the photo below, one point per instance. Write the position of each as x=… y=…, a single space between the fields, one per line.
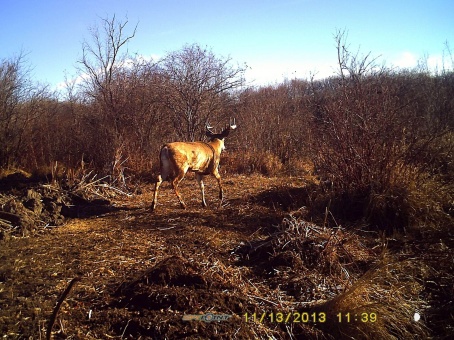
x=228 y=128
x=225 y=132
x=232 y=125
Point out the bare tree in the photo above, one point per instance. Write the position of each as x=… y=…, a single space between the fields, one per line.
x=197 y=87
x=353 y=65
x=100 y=64
x=19 y=105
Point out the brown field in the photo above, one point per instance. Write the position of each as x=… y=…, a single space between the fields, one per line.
x=140 y=272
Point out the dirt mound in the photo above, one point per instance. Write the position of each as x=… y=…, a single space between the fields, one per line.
x=22 y=212
x=27 y=205
x=172 y=288
x=173 y=271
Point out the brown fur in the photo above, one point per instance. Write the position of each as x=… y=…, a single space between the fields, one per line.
x=202 y=158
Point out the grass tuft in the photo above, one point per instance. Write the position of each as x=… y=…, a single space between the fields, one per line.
x=381 y=304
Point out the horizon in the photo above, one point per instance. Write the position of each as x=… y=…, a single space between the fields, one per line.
x=277 y=41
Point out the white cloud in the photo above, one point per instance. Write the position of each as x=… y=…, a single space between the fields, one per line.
x=432 y=63
x=436 y=63
x=406 y=60
x=139 y=58
x=81 y=77
x=272 y=72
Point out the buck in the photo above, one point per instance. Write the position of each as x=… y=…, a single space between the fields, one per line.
x=177 y=158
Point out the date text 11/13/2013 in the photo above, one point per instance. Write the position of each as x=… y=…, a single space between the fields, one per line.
x=307 y=317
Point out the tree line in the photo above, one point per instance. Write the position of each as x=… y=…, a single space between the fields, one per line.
x=365 y=129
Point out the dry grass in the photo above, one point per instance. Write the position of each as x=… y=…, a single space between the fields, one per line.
x=265 y=163
x=6 y=172
x=381 y=303
x=140 y=272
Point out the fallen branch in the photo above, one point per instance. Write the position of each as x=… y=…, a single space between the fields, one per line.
x=81 y=187
x=6 y=217
x=58 y=305
x=103 y=185
x=6 y=223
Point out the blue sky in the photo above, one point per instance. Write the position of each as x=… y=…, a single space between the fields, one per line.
x=276 y=39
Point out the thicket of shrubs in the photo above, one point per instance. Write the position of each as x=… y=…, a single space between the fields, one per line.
x=382 y=138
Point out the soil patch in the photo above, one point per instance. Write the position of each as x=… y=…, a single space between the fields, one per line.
x=143 y=274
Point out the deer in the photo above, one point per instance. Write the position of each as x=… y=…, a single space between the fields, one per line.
x=202 y=158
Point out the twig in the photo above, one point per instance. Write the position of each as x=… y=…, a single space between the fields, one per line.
x=127 y=324
x=260 y=298
x=113 y=188
x=168 y=228
x=58 y=305
x=92 y=183
x=5 y=223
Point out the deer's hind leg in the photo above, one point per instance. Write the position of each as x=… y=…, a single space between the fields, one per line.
x=175 y=183
x=199 y=178
x=155 y=197
x=221 y=192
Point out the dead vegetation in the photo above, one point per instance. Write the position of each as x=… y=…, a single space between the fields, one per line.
x=30 y=203
x=141 y=272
